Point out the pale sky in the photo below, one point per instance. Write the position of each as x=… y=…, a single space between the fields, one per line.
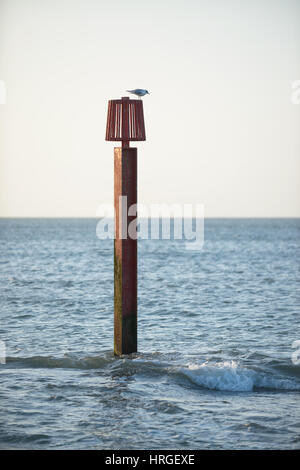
x=221 y=127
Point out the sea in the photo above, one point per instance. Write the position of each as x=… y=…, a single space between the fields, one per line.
x=218 y=361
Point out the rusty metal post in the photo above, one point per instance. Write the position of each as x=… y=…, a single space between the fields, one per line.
x=125 y=252
x=125 y=123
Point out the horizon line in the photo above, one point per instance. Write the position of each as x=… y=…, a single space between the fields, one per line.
x=193 y=217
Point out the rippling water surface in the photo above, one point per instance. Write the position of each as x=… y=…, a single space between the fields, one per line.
x=216 y=328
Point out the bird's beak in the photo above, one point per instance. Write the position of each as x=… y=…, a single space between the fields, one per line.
x=148 y=92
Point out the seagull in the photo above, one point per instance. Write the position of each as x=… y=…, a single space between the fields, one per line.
x=139 y=92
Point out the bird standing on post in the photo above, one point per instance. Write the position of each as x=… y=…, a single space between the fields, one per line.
x=139 y=92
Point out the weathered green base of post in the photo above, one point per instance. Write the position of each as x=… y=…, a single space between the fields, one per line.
x=125 y=253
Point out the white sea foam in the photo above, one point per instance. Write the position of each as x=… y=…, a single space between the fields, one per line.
x=229 y=376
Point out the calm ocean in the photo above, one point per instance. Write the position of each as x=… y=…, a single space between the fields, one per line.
x=216 y=329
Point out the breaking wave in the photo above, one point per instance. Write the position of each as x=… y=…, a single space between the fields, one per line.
x=229 y=376
x=223 y=376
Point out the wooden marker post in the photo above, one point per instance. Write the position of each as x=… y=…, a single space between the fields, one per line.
x=125 y=122
x=125 y=252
